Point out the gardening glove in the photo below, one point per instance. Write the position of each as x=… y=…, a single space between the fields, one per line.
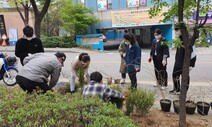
x=124 y=54
x=150 y=59
x=190 y=68
x=164 y=62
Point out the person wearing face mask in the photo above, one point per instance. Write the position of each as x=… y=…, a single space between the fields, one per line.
x=27 y=45
x=178 y=65
x=132 y=58
x=81 y=61
x=159 y=54
x=122 y=52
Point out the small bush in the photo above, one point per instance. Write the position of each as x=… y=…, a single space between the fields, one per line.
x=58 y=41
x=140 y=101
x=26 y=110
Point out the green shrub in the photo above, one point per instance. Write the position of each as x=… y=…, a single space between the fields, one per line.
x=58 y=41
x=140 y=101
x=32 y=110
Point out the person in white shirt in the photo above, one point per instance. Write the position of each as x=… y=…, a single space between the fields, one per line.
x=81 y=61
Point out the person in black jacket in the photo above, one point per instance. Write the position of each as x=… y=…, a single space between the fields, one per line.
x=159 y=54
x=29 y=44
x=178 y=65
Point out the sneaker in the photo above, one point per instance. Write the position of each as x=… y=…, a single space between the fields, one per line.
x=123 y=81
x=173 y=92
x=155 y=85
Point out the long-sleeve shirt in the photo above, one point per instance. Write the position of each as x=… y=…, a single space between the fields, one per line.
x=25 y=46
x=38 y=67
x=75 y=66
x=97 y=89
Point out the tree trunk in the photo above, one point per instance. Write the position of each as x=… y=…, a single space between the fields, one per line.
x=37 y=26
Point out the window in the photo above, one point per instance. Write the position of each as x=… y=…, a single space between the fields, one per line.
x=109 y=4
x=136 y=3
x=142 y=2
x=103 y=5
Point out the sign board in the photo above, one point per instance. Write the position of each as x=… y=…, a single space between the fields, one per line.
x=2 y=26
x=102 y=5
x=13 y=34
x=130 y=18
x=132 y=3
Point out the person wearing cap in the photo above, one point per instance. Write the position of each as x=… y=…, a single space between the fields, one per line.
x=38 y=68
x=159 y=54
x=27 y=45
x=122 y=52
x=81 y=61
x=178 y=65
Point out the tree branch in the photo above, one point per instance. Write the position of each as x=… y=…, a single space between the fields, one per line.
x=19 y=11
x=35 y=8
x=45 y=8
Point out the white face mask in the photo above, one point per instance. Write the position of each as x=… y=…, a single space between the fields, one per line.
x=158 y=37
x=177 y=33
x=127 y=43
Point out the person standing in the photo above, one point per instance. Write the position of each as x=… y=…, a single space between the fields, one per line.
x=178 y=65
x=29 y=44
x=81 y=61
x=133 y=58
x=159 y=54
x=122 y=52
x=36 y=70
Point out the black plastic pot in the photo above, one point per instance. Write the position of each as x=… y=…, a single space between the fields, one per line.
x=165 y=105
x=176 y=105
x=211 y=105
x=190 y=107
x=203 y=108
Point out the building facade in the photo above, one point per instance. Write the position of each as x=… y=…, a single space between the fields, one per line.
x=117 y=15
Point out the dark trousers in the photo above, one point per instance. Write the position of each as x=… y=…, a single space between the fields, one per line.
x=160 y=72
x=29 y=86
x=133 y=79
x=176 y=78
x=123 y=75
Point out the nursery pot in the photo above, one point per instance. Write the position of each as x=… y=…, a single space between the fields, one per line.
x=165 y=105
x=190 y=107
x=211 y=105
x=203 y=108
x=176 y=105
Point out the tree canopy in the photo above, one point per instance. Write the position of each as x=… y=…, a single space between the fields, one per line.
x=76 y=17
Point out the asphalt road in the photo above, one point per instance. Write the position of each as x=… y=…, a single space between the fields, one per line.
x=108 y=64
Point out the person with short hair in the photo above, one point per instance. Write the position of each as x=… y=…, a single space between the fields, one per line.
x=29 y=44
x=159 y=54
x=81 y=61
x=132 y=58
x=178 y=64
x=36 y=70
x=122 y=52
x=96 y=88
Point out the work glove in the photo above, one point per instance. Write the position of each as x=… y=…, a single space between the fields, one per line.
x=164 y=62
x=124 y=54
x=150 y=59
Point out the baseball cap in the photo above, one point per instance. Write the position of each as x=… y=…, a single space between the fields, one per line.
x=61 y=55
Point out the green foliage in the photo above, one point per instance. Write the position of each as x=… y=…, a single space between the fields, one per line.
x=177 y=42
x=58 y=41
x=140 y=101
x=26 y=110
x=81 y=74
x=116 y=87
x=77 y=18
